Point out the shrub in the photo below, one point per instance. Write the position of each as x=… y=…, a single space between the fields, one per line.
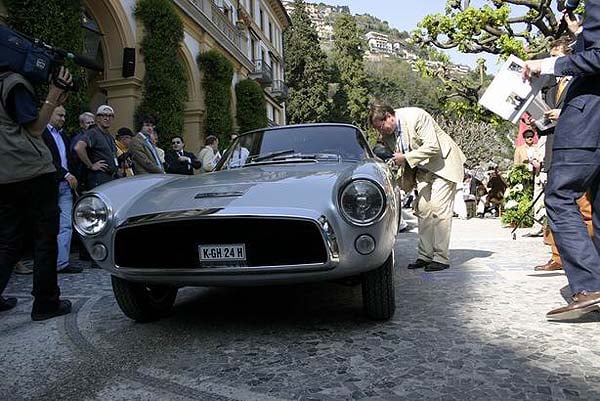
x=165 y=84
x=251 y=105
x=519 y=197
x=218 y=73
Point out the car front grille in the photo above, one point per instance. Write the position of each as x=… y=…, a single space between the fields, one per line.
x=174 y=244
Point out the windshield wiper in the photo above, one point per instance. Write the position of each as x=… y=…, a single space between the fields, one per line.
x=319 y=156
x=271 y=155
x=309 y=156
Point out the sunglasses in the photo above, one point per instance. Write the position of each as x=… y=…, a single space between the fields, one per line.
x=175 y=143
x=106 y=115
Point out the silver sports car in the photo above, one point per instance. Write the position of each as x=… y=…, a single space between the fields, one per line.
x=284 y=205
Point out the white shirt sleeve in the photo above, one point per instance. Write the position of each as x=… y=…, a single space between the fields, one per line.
x=548 y=65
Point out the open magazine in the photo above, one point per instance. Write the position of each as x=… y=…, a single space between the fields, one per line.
x=537 y=109
x=509 y=97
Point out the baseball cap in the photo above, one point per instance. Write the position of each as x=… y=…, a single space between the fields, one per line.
x=124 y=132
x=105 y=109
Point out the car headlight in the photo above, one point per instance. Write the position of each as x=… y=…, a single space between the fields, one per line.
x=90 y=215
x=362 y=202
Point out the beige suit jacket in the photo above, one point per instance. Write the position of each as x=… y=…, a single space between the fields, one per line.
x=429 y=147
x=207 y=158
x=144 y=161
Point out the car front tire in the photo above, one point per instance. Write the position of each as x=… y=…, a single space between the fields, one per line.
x=143 y=302
x=379 y=296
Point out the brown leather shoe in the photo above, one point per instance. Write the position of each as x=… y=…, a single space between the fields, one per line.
x=549 y=267
x=583 y=303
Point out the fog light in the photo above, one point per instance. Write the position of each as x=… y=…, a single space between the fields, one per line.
x=98 y=252
x=365 y=244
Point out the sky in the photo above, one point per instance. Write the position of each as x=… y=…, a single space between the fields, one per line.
x=404 y=16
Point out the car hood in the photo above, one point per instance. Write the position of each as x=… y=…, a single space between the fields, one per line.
x=265 y=189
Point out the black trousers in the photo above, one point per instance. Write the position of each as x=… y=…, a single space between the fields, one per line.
x=30 y=209
x=96 y=178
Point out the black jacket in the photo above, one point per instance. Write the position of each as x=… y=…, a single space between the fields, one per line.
x=49 y=141
x=174 y=166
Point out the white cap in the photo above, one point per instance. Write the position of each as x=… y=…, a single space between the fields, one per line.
x=105 y=109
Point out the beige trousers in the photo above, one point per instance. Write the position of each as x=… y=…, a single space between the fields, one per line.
x=434 y=212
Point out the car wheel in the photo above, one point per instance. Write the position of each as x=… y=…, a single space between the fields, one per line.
x=379 y=297
x=143 y=302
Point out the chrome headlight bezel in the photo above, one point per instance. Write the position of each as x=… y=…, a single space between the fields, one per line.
x=105 y=210
x=355 y=220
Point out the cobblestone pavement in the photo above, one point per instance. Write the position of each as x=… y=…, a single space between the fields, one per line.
x=474 y=332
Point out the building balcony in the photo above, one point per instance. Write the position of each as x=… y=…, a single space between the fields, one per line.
x=217 y=21
x=224 y=24
x=279 y=90
x=262 y=73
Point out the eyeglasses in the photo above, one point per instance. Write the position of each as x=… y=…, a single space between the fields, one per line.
x=105 y=115
x=379 y=125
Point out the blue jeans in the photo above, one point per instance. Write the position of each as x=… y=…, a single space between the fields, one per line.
x=65 y=204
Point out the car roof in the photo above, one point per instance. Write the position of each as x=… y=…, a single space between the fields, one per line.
x=305 y=125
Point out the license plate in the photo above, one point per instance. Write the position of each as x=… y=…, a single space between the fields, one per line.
x=222 y=253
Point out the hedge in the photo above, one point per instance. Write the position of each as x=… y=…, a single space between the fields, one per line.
x=218 y=73
x=251 y=105
x=165 y=83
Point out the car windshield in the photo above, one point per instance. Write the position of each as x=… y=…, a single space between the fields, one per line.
x=320 y=142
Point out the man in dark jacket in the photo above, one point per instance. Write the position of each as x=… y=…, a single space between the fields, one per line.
x=576 y=166
x=178 y=161
x=58 y=144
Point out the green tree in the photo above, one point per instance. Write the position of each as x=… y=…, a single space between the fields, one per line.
x=251 y=105
x=501 y=27
x=218 y=73
x=348 y=58
x=165 y=86
x=305 y=70
x=57 y=22
x=394 y=82
x=481 y=142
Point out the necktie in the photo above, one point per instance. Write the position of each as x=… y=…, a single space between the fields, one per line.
x=154 y=153
x=403 y=146
x=562 y=84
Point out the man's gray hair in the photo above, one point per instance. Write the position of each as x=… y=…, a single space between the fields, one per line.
x=84 y=115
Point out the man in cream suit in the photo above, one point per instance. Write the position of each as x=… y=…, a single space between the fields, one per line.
x=419 y=143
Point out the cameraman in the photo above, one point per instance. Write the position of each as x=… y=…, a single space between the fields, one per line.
x=28 y=190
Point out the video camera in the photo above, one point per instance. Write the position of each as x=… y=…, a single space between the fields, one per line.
x=37 y=61
x=568 y=5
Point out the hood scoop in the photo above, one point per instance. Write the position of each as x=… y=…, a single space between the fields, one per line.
x=206 y=195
